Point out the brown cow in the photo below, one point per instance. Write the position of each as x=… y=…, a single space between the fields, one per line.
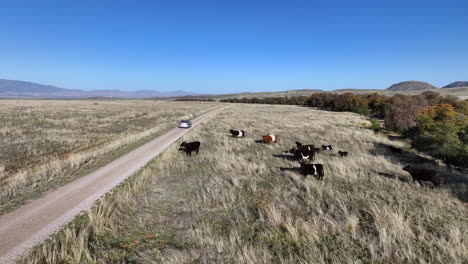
x=271 y=138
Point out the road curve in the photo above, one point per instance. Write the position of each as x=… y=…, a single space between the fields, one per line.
x=34 y=222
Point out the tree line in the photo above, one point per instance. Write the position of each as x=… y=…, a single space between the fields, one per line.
x=435 y=124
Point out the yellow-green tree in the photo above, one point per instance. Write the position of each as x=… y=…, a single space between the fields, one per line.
x=441 y=132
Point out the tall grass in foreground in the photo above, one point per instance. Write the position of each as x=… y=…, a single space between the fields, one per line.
x=239 y=201
x=42 y=142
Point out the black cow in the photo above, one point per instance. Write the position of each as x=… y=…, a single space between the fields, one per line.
x=313 y=169
x=317 y=150
x=329 y=147
x=395 y=150
x=302 y=154
x=421 y=174
x=190 y=147
x=237 y=133
x=343 y=153
x=304 y=147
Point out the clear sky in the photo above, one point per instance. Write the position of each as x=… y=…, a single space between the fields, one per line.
x=233 y=46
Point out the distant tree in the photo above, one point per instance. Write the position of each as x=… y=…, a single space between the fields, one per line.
x=432 y=98
x=460 y=106
x=403 y=111
x=378 y=104
x=356 y=104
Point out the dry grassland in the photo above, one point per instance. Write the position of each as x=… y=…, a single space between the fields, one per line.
x=44 y=143
x=239 y=201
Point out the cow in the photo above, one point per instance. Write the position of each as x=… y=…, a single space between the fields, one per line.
x=302 y=154
x=395 y=150
x=304 y=147
x=271 y=138
x=190 y=147
x=237 y=133
x=329 y=147
x=313 y=169
x=317 y=150
x=421 y=174
x=343 y=153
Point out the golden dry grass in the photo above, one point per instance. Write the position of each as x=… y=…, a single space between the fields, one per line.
x=239 y=201
x=43 y=142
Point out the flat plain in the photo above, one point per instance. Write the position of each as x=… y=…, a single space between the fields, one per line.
x=242 y=201
x=46 y=143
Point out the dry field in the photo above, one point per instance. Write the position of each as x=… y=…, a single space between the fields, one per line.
x=44 y=144
x=240 y=201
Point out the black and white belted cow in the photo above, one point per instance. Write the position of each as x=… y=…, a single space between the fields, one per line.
x=237 y=133
x=304 y=147
x=328 y=147
x=313 y=169
x=302 y=154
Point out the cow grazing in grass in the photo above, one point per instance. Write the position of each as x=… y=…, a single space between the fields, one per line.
x=304 y=147
x=317 y=150
x=313 y=169
x=302 y=154
x=421 y=174
x=237 y=133
x=190 y=147
x=343 y=153
x=395 y=150
x=271 y=138
x=329 y=147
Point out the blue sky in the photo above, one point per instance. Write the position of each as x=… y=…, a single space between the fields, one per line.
x=233 y=46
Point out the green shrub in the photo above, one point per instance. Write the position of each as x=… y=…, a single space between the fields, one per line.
x=375 y=126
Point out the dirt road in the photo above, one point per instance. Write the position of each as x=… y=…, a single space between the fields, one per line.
x=31 y=224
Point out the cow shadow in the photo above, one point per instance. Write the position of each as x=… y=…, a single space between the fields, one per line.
x=295 y=169
x=393 y=138
x=392 y=176
x=260 y=141
x=399 y=154
x=298 y=171
x=285 y=157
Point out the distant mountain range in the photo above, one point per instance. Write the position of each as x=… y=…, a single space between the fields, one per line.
x=456 y=84
x=21 y=89
x=459 y=89
x=422 y=86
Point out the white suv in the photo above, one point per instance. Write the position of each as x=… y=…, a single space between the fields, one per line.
x=185 y=124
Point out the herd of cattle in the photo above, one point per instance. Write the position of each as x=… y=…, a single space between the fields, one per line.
x=306 y=153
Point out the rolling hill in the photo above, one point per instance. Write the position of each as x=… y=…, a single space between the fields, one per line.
x=456 y=84
x=411 y=86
